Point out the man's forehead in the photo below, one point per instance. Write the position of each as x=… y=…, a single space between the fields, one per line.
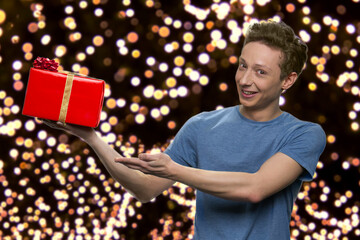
x=261 y=54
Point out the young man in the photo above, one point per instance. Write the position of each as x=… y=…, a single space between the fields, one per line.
x=247 y=161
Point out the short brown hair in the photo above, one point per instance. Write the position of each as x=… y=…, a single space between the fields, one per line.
x=280 y=36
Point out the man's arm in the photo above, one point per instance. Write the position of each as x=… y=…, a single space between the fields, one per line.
x=142 y=186
x=274 y=175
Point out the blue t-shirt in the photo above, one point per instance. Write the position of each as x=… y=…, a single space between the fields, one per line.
x=224 y=140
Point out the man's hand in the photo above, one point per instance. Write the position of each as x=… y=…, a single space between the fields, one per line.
x=76 y=130
x=160 y=164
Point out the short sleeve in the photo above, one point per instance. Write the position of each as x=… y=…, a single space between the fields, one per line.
x=305 y=146
x=183 y=148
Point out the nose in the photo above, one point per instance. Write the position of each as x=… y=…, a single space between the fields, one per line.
x=244 y=78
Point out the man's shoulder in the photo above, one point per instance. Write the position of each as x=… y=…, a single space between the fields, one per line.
x=205 y=115
x=293 y=123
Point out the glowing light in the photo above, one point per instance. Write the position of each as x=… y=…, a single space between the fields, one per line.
x=312 y=86
x=105 y=127
x=51 y=141
x=121 y=102
x=331 y=139
x=69 y=9
x=168 y=48
x=134 y=107
x=306 y=20
x=98 y=12
x=204 y=80
x=123 y=51
x=350 y=29
x=263 y=2
x=335 y=23
x=356 y=106
x=165 y=110
x=83 y=4
x=164 y=32
x=316 y=27
x=149 y=91
x=290 y=7
x=45 y=39
x=304 y=36
x=163 y=67
x=135 y=81
x=177 y=71
x=171 y=82
x=204 y=58
x=335 y=50
x=130 y=12
x=199 y=26
x=150 y=61
x=140 y=118
x=2 y=16
x=30 y=125
x=17 y=65
x=346 y=166
x=179 y=61
x=187 y=47
x=327 y=20
x=188 y=37
x=158 y=94
x=216 y=35
x=168 y=20
x=249 y=9
x=306 y=10
x=98 y=40
x=355 y=126
x=132 y=37
x=70 y=23
x=194 y=75
x=182 y=91
x=60 y=51
x=282 y=101
x=155 y=113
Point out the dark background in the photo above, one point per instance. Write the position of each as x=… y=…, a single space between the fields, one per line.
x=61 y=190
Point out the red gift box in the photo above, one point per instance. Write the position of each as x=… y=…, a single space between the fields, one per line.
x=64 y=96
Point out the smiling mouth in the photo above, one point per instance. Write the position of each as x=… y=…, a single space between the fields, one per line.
x=248 y=92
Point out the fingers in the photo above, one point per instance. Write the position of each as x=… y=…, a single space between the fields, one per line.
x=61 y=124
x=48 y=122
x=129 y=161
x=154 y=164
x=134 y=163
x=123 y=159
x=149 y=157
x=51 y=123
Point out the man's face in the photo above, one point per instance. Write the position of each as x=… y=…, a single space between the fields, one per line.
x=258 y=77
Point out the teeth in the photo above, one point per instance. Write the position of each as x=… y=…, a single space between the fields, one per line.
x=247 y=92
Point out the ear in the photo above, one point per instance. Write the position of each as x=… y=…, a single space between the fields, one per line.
x=289 y=81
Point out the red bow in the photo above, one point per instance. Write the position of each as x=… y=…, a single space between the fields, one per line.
x=45 y=64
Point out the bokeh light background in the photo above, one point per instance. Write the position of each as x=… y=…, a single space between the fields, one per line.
x=164 y=61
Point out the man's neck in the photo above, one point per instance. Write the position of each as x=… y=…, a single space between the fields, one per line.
x=260 y=115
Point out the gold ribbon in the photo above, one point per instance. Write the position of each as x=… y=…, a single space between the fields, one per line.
x=66 y=96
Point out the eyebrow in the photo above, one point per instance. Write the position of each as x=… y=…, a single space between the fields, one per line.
x=256 y=65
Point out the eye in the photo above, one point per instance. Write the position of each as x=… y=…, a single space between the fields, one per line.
x=261 y=72
x=242 y=65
